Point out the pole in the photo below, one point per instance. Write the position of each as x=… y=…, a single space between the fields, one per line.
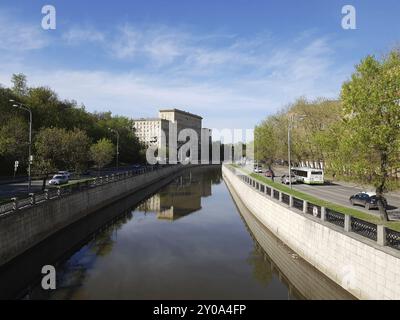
x=117 y=148
x=30 y=152
x=26 y=108
x=289 y=127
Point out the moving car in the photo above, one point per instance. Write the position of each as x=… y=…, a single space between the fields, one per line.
x=58 y=179
x=366 y=199
x=258 y=170
x=65 y=173
x=285 y=179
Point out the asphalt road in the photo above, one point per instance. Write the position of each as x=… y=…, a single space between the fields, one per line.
x=340 y=193
x=20 y=189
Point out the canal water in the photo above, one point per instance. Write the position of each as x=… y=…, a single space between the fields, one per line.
x=189 y=240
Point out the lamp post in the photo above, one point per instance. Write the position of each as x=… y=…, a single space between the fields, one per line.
x=26 y=108
x=117 y=133
x=291 y=119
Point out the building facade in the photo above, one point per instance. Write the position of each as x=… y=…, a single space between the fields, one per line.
x=150 y=131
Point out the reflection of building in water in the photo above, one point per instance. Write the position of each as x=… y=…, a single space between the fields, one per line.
x=180 y=198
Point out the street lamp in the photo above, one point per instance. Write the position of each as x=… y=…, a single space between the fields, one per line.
x=117 y=133
x=26 y=108
x=292 y=118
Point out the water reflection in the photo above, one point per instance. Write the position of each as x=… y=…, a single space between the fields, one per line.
x=210 y=251
x=302 y=279
x=180 y=198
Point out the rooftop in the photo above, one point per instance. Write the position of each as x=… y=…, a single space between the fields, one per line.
x=147 y=119
x=182 y=112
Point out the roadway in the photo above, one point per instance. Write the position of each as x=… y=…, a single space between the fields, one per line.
x=19 y=188
x=340 y=192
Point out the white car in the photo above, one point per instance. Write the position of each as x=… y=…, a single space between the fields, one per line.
x=65 y=173
x=258 y=170
x=58 y=179
x=285 y=179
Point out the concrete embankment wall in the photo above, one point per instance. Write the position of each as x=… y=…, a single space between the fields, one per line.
x=359 y=267
x=302 y=278
x=15 y=277
x=21 y=230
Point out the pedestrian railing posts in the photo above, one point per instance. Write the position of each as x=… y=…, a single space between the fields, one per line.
x=347 y=223
x=33 y=199
x=378 y=233
x=15 y=203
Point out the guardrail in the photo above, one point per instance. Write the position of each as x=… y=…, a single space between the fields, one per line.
x=16 y=204
x=377 y=233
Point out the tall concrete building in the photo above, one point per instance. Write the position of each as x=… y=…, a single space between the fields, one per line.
x=182 y=119
x=149 y=131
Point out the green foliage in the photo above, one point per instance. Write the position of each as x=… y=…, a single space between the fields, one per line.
x=102 y=152
x=371 y=113
x=19 y=84
x=49 y=111
x=60 y=149
x=310 y=134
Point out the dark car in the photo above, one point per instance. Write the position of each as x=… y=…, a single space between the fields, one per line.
x=366 y=199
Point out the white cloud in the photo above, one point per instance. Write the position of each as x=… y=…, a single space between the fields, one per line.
x=232 y=81
x=79 y=34
x=20 y=37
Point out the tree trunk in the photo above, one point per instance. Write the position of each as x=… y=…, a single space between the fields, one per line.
x=381 y=188
x=44 y=182
x=382 y=209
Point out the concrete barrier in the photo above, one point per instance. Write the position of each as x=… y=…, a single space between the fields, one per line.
x=24 y=228
x=363 y=268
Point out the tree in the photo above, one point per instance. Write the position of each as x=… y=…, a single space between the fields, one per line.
x=19 y=84
x=49 y=155
x=60 y=149
x=102 y=153
x=76 y=150
x=372 y=117
x=14 y=139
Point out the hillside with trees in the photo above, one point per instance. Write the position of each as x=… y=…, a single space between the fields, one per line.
x=356 y=137
x=63 y=131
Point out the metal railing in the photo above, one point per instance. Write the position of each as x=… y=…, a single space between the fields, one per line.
x=15 y=204
x=285 y=198
x=368 y=230
x=314 y=209
x=364 y=228
x=334 y=217
x=393 y=239
x=298 y=204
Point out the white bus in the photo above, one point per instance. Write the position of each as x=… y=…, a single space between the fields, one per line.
x=309 y=175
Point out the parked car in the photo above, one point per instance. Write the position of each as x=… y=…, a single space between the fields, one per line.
x=285 y=179
x=366 y=199
x=58 y=179
x=269 y=173
x=65 y=173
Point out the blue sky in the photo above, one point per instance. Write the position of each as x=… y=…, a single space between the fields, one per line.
x=233 y=62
